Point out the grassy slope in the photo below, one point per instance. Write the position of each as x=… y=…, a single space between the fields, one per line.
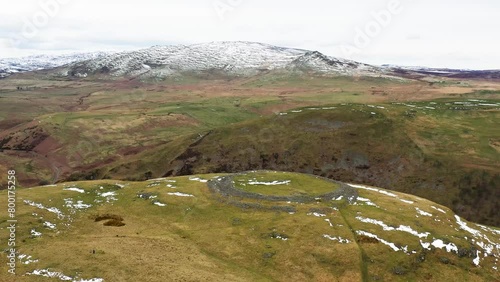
x=132 y=129
x=200 y=238
x=437 y=152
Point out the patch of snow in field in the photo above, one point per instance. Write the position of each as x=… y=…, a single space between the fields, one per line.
x=465 y=227
x=79 y=205
x=424 y=213
x=159 y=204
x=328 y=108
x=120 y=185
x=367 y=202
x=50 y=185
x=339 y=198
x=61 y=276
x=282 y=238
x=391 y=245
x=317 y=214
x=40 y=206
x=34 y=233
x=487 y=247
x=297 y=111
x=171 y=186
x=425 y=245
x=25 y=259
x=339 y=239
x=329 y=222
x=156 y=179
x=198 y=179
x=49 y=274
x=275 y=182
x=477 y=259
x=74 y=189
x=388 y=193
x=49 y=225
x=485 y=228
x=438 y=209
x=386 y=227
x=438 y=243
x=374 y=189
x=408 y=229
x=363 y=187
x=407 y=201
x=180 y=194
x=108 y=194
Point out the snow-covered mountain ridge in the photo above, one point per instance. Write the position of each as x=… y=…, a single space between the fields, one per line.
x=10 y=66
x=232 y=58
x=229 y=58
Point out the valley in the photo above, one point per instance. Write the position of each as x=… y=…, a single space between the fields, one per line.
x=241 y=161
x=406 y=135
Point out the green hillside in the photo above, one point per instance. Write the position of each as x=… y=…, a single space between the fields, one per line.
x=431 y=149
x=253 y=226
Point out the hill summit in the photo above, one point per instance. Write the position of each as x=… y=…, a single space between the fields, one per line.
x=251 y=226
x=226 y=58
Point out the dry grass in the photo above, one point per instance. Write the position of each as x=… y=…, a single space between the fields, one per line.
x=200 y=239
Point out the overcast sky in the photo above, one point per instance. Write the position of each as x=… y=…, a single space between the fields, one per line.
x=444 y=33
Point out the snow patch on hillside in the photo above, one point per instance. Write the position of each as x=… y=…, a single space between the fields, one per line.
x=272 y=183
x=75 y=189
x=178 y=194
x=338 y=239
x=386 y=227
x=391 y=245
x=49 y=209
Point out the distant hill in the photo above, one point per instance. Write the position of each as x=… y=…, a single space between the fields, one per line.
x=226 y=58
x=9 y=66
